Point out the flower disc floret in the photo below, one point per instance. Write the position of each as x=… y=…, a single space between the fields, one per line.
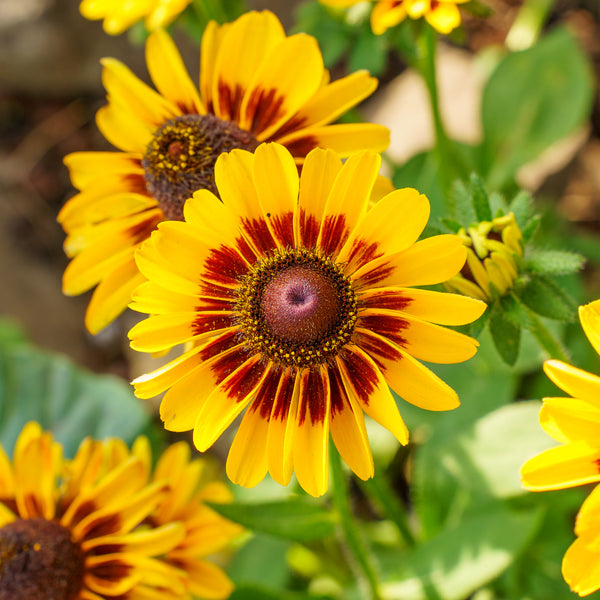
x=297 y=308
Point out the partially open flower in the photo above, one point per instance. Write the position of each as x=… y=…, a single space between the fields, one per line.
x=493 y=251
x=256 y=84
x=299 y=305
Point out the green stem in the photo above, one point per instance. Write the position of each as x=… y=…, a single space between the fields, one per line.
x=379 y=489
x=547 y=341
x=526 y=28
x=426 y=66
x=340 y=497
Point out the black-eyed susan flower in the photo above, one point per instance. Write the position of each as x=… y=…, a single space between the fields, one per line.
x=77 y=537
x=575 y=423
x=119 y=15
x=190 y=486
x=442 y=15
x=493 y=251
x=299 y=306
x=256 y=84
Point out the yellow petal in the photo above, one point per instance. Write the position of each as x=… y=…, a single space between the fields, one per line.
x=207 y=580
x=290 y=74
x=247 y=461
x=311 y=436
x=318 y=175
x=589 y=316
x=123 y=132
x=571 y=419
x=390 y=226
x=347 y=201
x=87 y=167
x=365 y=383
x=562 y=467
x=581 y=568
x=227 y=400
x=170 y=75
x=576 y=382
x=444 y=18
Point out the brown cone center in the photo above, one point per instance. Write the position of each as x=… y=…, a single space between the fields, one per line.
x=180 y=159
x=39 y=560
x=300 y=305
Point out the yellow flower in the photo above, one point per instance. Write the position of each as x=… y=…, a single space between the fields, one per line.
x=493 y=250
x=120 y=15
x=206 y=532
x=299 y=305
x=442 y=15
x=77 y=539
x=575 y=423
x=256 y=84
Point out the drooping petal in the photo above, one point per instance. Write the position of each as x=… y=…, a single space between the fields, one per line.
x=581 y=568
x=364 y=382
x=85 y=167
x=571 y=419
x=589 y=315
x=348 y=429
x=407 y=376
x=311 y=436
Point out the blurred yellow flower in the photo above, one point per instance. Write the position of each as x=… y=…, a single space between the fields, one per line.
x=119 y=15
x=442 y=15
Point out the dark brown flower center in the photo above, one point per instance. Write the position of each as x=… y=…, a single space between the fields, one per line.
x=39 y=560
x=300 y=305
x=297 y=308
x=181 y=157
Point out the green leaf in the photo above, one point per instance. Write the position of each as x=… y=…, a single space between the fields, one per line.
x=294 y=519
x=546 y=298
x=553 y=262
x=257 y=592
x=505 y=333
x=369 y=52
x=479 y=197
x=460 y=204
x=483 y=457
x=69 y=401
x=460 y=559
x=530 y=228
x=522 y=207
x=533 y=99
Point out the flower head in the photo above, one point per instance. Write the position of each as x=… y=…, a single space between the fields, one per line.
x=442 y=15
x=299 y=305
x=90 y=528
x=119 y=16
x=575 y=423
x=256 y=84
x=493 y=249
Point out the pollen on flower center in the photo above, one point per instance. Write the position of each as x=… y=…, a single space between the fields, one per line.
x=297 y=308
x=39 y=560
x=181 y=156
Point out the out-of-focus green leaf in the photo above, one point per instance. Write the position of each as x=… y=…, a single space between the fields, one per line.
x=487 y=456
x=533 y=99
x=547 y=298
x=256 y=592
x=294 y=519
x=369 y=51
x=68 y=400
x=481 y=202
x=505 y=333
x=553 y=262
x=460 y=559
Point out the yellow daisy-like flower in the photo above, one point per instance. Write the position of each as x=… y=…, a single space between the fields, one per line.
x=575 y=423
x=256 y=84
x=206 y=532
x=119 y=15
x=299 y=305
x=78 y=538
x=494 y=249
x=442 y=15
